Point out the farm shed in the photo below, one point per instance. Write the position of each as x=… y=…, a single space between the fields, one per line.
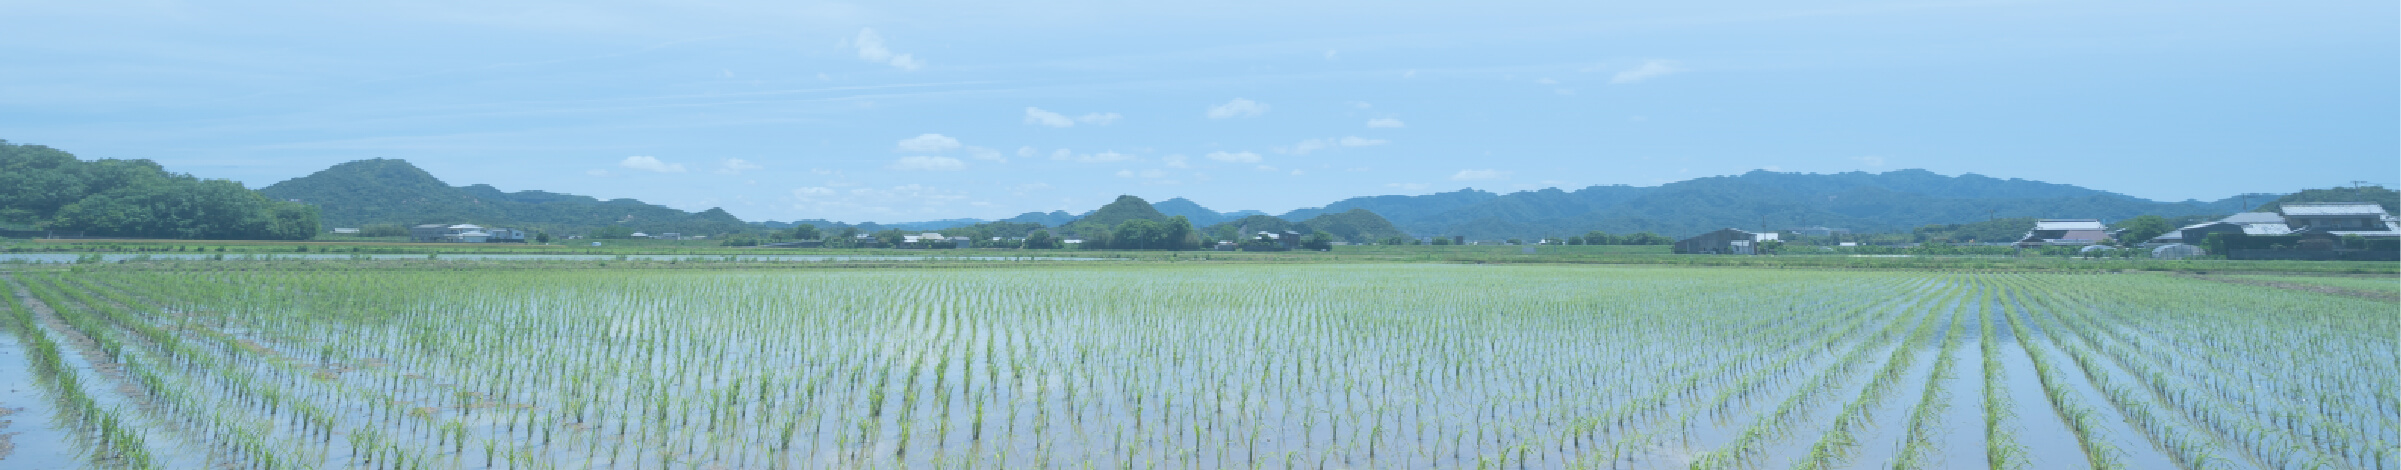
x=2064 y=232
x=1721 y=242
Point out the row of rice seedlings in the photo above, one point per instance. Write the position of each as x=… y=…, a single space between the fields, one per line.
x=1774 y=425
x=1918 y=439
x=2207 y=406
x=2165 y=431
x=1835 y=443
x=2081 y=419
x=2001 y=449
x=110 y=439
x=1765 y=371
x=642 y=372
x=232 y=422
x=289 y=410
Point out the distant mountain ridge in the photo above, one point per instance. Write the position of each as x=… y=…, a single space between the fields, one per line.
x=1890 y=201
x=392 y=191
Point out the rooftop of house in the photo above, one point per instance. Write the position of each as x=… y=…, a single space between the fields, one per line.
x=2069 y=224
x=2332 y=209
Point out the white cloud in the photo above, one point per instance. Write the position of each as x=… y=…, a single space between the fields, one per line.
x=812 y=192
x=1648 y=70
x=1870 y=160
x=1471 y=175
x=1177 y=161
x=929 y=143
x=1103 y=157
x=1028 y=187
x=1026 y=152
x=1361 y=142
x=732 y=166
x=1297 y=172
x=981 y=153
x=871 y=47
x=1406 y=186
x=1239 y=107
x=1312 y=145
x=1307 y=146
x=1385 y=123
x=651 y=164
x=1099 y=119
x=1150 y=173
x=1035 y=115
x=927 y=163
x=1234 y=157
x=596 y=172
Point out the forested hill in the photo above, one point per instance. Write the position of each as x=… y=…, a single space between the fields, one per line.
x=43 y=188
x=1897 y=200
x=392 y=191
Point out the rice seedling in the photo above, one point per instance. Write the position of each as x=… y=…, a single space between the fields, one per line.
x=1261 y=366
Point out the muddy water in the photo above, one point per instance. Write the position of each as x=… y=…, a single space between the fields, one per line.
x=1961 y=444
x=2134 y=447
x=1888 y=430
x=28 y=437
x=2048 y=441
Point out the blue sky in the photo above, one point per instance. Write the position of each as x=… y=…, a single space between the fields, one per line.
x=904 y=111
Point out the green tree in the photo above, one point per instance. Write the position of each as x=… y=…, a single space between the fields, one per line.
x=2143 y=228
x=1318 y=241
x=612 y=232
x=805 y=232
x=542 y=237
x=1442 y=241
x=1040 y=240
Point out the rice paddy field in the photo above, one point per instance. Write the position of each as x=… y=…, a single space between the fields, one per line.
x=1306 y=366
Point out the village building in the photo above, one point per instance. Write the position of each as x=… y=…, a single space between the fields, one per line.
x=1723 y=242
x=464 y=233
x=2064 y=232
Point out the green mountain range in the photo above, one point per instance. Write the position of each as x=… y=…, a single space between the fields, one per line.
x=1894 y=201
x=48 y=190
x=391 y=191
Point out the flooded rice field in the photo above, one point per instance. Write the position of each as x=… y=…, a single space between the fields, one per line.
x=1094 y=366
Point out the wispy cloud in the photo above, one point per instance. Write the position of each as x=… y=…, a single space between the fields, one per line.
x=1050 y=118
x=1385 y=123
x=1239 y=107
x=1406 y=186
x=871 y=47
x=650 y=164
x=1103 y=157
x=733 y=166
x=1312 y=145
x=1040 y=116
x=1474 y=175
x=1234 y=157
x=1177 y=161
x=1099 y=119
x=1648 y=70
x=1869 y=160
x=927 y=163
x=981 y=153
x=928 y=143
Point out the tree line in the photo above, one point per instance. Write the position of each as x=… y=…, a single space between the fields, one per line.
x=49 y=189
